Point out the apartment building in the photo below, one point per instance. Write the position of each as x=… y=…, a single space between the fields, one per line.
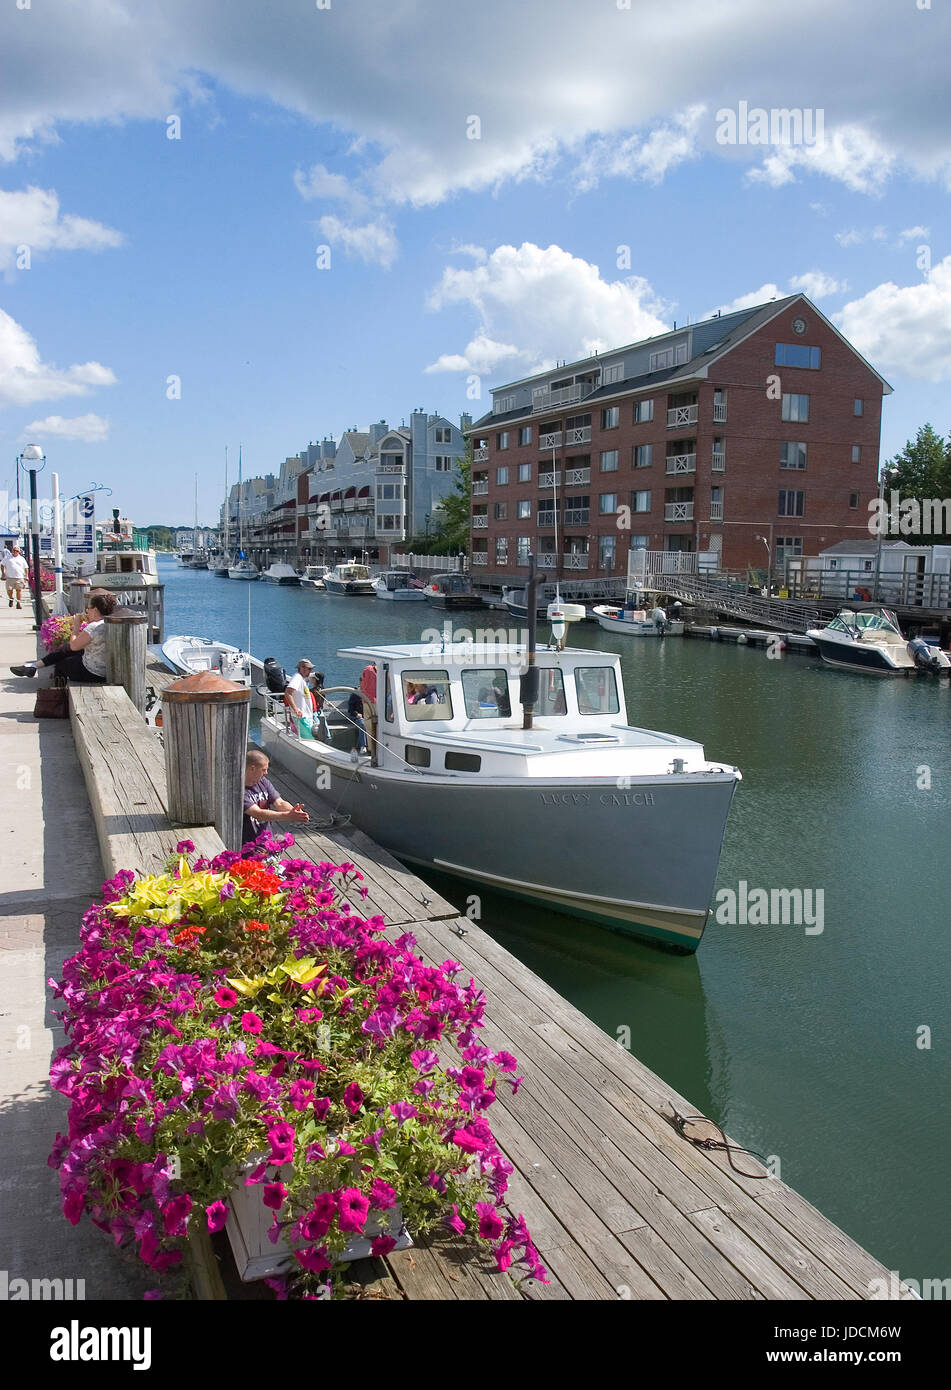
x=754 y=435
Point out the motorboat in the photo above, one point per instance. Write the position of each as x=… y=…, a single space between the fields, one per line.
x=399 y=585
x=871 y=641
x=581 y=812
x=515 y=603
x=280 y=573
x=189 y=655
x=452 y=591
x=241 y=568
x=313 y=577
x=638 y=621
x=349 y=579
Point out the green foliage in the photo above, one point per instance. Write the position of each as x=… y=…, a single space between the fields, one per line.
x=924 y=471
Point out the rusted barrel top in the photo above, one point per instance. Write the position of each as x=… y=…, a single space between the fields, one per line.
x=204 y=687
x=126 y=615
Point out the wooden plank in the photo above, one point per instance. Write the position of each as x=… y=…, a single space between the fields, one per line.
x=748 y=1257
x=802 y=1264
x=421 y=1274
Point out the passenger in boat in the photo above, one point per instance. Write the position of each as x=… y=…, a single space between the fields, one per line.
x=297 y=698
x=261 y=800
x=83 y=661
x=368 y=691
x=355 y=715
x=318 y=699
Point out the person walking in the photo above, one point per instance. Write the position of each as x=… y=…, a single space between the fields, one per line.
x=83 y=661
x=15 y=570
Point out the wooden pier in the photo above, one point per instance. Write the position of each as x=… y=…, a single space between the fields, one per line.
x=621 y=1205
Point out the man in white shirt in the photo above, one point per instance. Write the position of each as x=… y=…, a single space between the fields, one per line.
x=297 y=695
x=14 y=573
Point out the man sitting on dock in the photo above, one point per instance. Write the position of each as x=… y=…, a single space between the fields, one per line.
x=261 y=800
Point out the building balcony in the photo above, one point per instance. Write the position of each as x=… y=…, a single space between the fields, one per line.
x=550 y=441
x=546 y=561
x=680 y=416
x=545 y=520
x=545 y=399
x=719 y=412
x=678 y=511
x=349 y=504
x=716 y=511
x=577 y=475
x=576 y=562
x=481 y=455
x=577 y=516
x=546 y=481
x=681 y=463
x=480 y=489
x=480 y=557
x=480 y=523
x=581 y=434
x=718 y=462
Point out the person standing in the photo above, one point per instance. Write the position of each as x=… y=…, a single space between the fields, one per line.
x=297 y=696
x=368 y=692
x=83 y=661
x=15 y=570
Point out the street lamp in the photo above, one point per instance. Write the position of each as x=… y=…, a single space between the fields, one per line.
x=31 y=456
x=887 y=474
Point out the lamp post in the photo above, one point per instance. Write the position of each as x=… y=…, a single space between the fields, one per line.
x=31 y=456
x=887 y=473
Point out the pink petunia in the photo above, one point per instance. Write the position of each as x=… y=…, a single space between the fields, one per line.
x=491 y=1225
x=175 y=1214
x=312 y=1257
x=225 y=997
x=217 y=1215
x=352 y=1209
x=251 y=1023
x=353 y=1098
x=273 y=1195
x=382 y=1195
x=382 y=1245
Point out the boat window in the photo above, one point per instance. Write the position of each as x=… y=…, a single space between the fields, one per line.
x=416 y=756
x=597 y=690
x=462 y=762
x=426 y=695
x=387 y=695
x=486 y=693
x=551 y=692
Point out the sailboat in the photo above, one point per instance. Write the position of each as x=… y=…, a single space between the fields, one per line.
x=241 y=567
x=221 y=563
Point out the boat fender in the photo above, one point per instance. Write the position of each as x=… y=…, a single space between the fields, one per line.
x=742 y=639
x=714 y=634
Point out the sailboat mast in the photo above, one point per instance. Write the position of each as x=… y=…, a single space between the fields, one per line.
x=227 y=530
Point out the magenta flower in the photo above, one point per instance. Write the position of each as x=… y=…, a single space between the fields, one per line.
x=454 y=1221
x=217 y=1215
x=251 y=1023
x=352 y=1209
x=73 y=1204
x=226 y=891
x=469 y=1142
x=403 y=1111
x=321 y=1108
x=505 y=1061
x=281 y=1139
x=313 y=1258
x=317 y=1222
x=184 y=847
x=491 y=1225
x=424 y=1059
x=344 y=1148
x=353 y=1098
x=382 y=1245
x=274 y=1193
x=175 y=1214
x=225 y=997
x=382 y=1196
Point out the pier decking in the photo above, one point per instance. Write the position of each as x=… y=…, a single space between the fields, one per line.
x=620 y=1204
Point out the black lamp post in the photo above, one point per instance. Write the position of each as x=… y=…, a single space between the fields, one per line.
x=33 y=455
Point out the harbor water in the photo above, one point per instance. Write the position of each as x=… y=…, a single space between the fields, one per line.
x=822 y=1044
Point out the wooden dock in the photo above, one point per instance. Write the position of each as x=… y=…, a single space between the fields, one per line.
x=620 y=1204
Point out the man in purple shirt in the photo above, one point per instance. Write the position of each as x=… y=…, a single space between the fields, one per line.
x=261 y=801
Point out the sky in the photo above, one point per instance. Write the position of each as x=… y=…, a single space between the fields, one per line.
x=234 y=223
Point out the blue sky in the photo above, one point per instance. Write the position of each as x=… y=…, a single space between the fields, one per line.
x=451 y=258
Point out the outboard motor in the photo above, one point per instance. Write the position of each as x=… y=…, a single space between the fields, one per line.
x=275 y=676
x=660 y=620
x=926 y=657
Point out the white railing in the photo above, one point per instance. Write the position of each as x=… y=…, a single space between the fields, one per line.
x=577 y=516
x=544 y=399
x=480 y=557
x=349 y=504
x=481 y=455
x=550 y=441
x=480 y=523
x=681 y=463
x=577 y=475
x=577 y=562
x=578 y=434
x=642 y=564
x=681 y=415
x=719 y=412
x=716 y=511
x=678 y=511
x=546 y=561
x=545 y=518
x=480 y=489
x=549 y=480
x=390 y=468
x=718 y=464
x=429 y=562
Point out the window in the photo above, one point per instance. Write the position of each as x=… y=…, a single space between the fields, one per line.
x=501 y=550
x=525 y=472
x=607 y=552
x=551 y=692
x=796 y=408
x=500 y=511
x=797 y=355
x=611 y=417
x=416 y=756
x=523 y=548
x=388 y=696
x=791 y=503
x=443 y=463
x=502 y=439
x=525 y=434
x=788 y=548
x=612 y=373
x=643 y=455
x=858 y=407
x=443 y=435
x=853 y=500
x=524 y=509
x=639 y=543
x=643 y=411
x=426 y=695
x=856 y=453
x=609 y=460
x=607 y=503
x=486 y=693
x=597 y=690
x=670 y=357
x=792 y=455
x=462 y=762
x=501 y=475
x=502 y=404
x=640 y=501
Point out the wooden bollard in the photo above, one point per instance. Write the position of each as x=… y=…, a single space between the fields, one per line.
x=205 y=731
x=126 y=637
x=78 y=595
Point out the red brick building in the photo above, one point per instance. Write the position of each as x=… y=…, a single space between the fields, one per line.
x=754 y=434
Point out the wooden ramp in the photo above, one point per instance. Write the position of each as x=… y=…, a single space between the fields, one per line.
x=620 y=1205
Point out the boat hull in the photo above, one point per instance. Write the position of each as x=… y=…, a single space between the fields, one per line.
x=453 y=601
x=401 y=595
x=270 y=579
x=243 y=574
x=636 y=629
x=870 y=660
x=463 y=827
x=349 y=588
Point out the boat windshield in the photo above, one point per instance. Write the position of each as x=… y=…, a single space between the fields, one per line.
x=426 y=695
x=551 y=692
x=876 y=621
x=486 y=693
x=597 y=690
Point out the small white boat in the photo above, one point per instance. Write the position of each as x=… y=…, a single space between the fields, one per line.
x=313 y=577
x=399 y=585
x=871 y=641
x=280 y=573
x=349 y=579
x=635 y=619
x=189 y=655
x=243 y=569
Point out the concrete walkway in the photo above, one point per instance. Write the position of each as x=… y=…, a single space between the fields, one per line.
x=50 y=872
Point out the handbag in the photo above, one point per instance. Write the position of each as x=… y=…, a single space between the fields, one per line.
x=52 y=703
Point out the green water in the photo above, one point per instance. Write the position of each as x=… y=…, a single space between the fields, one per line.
x=802 y=1046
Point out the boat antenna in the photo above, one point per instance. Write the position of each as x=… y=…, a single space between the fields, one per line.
x=528 y=686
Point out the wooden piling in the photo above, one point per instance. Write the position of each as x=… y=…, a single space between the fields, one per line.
x=78 y=595
x=205 y=730
x=126 y=638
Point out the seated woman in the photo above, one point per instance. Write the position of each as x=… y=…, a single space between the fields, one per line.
x=83 y=661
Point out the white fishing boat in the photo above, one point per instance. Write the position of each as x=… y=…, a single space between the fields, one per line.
x=566 y=804
x=399 y=585
x=349 y=579
x=280 y=573
x=313 y=577
x=871 y=641
x=189 y=655
x=636 y=619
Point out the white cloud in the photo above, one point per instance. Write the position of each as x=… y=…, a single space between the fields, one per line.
x=32 y=218
x=649 y=159
x=855 y=237
x=373 y=242
x=536 y=305
x=319 y=182
x=850 y=154
x=817 y=285
x=913 y=234
x=91 y=429
x=26 y=378
x=905 y=329
x=746 y=301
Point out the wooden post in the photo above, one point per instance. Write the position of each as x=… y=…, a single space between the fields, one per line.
x=205 y=731
x=78 y=595
x=126 y=638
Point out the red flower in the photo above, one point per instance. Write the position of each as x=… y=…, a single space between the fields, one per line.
x=256 y=926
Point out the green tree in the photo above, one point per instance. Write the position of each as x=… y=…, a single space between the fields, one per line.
x=924 y=472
